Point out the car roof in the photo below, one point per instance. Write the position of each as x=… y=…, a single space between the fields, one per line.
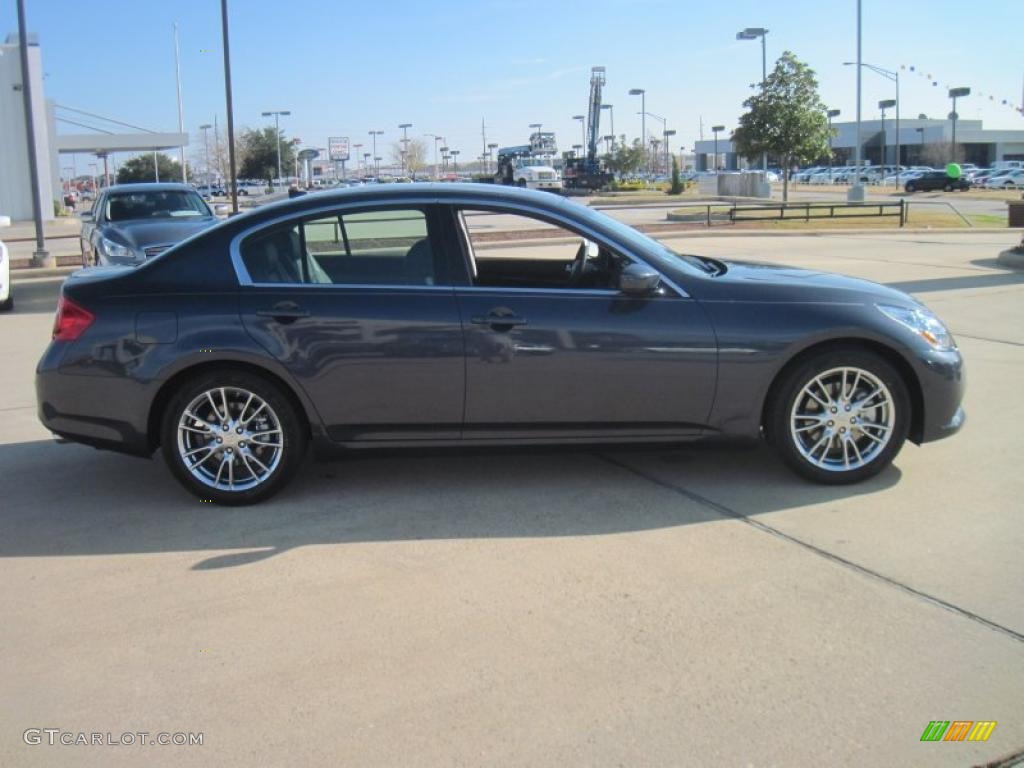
x=479 y=193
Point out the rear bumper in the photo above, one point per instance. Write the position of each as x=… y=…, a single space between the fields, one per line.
x=117 y=409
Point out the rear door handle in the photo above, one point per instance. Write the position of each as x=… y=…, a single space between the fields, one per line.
x=284 y=311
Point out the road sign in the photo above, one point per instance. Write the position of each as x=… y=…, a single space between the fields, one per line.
x=337 y=149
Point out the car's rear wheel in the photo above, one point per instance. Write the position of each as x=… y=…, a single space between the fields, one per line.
x=841 y=416
x=232 y=437
x=910 y=187
x=948 y=188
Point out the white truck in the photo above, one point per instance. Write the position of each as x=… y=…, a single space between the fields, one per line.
x=530 y=165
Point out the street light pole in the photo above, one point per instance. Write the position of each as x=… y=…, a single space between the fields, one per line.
x=667 y=133
x=181 y=111
x=643 y=119
x=830 y=113
x=954 y=94
x=230 y=108
x=455 y=161
x=40 y=257
x=277 y=135
x=405 y=142
x=611 y=116
x=376 y=160
x=753 y=33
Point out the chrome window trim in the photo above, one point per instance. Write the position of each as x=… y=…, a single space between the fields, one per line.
x=502 y=206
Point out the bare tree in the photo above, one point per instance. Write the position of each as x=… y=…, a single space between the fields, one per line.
x=415 y=154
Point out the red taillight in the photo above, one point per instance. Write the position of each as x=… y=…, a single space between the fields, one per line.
x=71 y=320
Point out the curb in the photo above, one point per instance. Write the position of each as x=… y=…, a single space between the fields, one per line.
x=713 y=232
x=31 y=273
x=1014 y=259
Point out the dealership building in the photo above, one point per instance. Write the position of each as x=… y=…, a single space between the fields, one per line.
x=100 y=143
x=921 y=142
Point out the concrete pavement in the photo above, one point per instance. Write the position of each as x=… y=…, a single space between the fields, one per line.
x=663 y=607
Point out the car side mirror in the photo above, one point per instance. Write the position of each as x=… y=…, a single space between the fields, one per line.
x=639 y=280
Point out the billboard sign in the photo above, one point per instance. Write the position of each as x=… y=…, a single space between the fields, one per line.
x=337 y=149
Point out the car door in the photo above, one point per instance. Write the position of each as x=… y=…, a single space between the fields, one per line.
x=357 y=305
x=545 y=361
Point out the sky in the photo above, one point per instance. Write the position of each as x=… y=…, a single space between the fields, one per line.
x=345 y=68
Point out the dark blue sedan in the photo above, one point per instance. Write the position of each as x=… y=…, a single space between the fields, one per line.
x=439 y=315
x=130 y=223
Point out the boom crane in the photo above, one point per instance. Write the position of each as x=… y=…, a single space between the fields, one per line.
x=586 y=172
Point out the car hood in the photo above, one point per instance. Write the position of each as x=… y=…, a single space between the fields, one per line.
x=774 y=282
x=143 y=234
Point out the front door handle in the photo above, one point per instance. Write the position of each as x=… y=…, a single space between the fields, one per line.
x=498 y=321
x=284 y=312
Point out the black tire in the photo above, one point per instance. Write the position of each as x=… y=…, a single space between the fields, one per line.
x=910 y=187
x=792 y=383
x=948 y=188
x=294 y=435
x=521 y=183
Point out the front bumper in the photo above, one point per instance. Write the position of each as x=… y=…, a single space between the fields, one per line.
x=943 y=381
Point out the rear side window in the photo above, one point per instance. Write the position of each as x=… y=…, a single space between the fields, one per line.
x=387 y=247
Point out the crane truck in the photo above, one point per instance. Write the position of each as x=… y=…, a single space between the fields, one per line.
x=587 y=172
x=530 y=165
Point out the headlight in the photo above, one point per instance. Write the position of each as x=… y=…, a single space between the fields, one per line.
x=921 y=321
x=116 y=250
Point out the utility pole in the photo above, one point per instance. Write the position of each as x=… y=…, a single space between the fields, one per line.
x=227 y=97
x=40 y=257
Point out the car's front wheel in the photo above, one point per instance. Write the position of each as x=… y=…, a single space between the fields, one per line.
x=232 y=437
x=840 y=417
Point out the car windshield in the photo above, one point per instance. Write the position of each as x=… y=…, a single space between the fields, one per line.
x=164 y=204
x=651 y=248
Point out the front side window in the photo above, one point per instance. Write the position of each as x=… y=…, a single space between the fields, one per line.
x=511 y=250
x=387 y=247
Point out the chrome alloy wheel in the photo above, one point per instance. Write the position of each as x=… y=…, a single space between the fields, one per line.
x=842 y=419
x=230 y=439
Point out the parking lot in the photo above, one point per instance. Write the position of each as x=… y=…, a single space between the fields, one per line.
x=656 y=606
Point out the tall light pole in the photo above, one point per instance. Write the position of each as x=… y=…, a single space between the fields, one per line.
x=40 y=257
x=374 y=135
x=405 y=142
x=366 y=162
x=277 y=134
x=455 y=161
x=611 y=116
x=715 y=130
x=888 y=74
x=830 y=114
x=954 y=94
x=583 y=128
x=357 y=147
x=232 y=180
x=883 y=105
x=753 y=33
x=856 y=192
x=437 y=139
x=667 y=133
x=643 y=117
x=205 y=127
x=664 y=123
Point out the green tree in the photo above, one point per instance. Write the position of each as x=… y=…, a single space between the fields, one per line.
x=258 y=153
x=786 y=118
x=677 y=184
x=140 y=168
x=627 y=158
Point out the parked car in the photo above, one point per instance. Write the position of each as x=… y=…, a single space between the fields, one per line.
x=130 y=223
x=233 y=350
x=6 y=295
x=1007 y=180
x=932 y=180
x=803 y=176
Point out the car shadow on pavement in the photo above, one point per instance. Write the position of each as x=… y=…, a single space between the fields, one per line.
x=72 y=500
